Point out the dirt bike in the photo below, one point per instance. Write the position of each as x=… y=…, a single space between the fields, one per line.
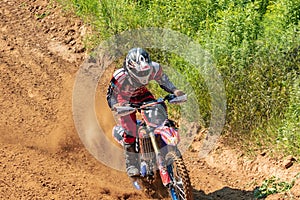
x=160 y=159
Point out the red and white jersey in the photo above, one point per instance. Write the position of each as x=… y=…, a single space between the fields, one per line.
x=122 y=89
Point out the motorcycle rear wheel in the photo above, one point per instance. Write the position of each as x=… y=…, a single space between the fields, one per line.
x=180 y=188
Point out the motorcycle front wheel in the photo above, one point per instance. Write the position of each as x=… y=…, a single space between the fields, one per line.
x=180 y=187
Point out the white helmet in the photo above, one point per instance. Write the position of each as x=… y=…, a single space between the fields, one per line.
x=138 y=65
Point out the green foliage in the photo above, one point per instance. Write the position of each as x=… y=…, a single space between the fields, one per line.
x=255 y=45
x=273 y=185
x=289 y=132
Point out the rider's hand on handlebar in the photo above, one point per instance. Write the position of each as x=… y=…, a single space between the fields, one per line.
x=179 y=93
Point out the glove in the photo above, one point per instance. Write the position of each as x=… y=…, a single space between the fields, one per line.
x=178 y=93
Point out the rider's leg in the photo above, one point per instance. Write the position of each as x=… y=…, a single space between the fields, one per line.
x=131 y=154
x=131 y=159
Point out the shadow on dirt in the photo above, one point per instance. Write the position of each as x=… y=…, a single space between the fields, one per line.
x=225 y=193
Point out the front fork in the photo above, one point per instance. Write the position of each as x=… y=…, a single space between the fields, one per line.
x=160 y=161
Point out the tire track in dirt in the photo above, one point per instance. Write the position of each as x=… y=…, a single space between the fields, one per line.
x=41 y=155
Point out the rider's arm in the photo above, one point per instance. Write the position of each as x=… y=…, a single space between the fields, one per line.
x=166 y=84
x=162 y=79
x=111 y=95
x=114 y=94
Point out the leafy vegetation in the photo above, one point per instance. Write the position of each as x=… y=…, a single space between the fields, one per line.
x=255 y=45
x=273 y=185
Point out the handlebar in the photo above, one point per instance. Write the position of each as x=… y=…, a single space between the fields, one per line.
x=132 y=107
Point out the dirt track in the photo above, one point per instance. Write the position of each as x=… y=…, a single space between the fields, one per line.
x=41 y=155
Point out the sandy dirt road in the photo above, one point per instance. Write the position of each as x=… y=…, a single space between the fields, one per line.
x=41 y=155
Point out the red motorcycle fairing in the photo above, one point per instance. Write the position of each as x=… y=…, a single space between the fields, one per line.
x=168 y=134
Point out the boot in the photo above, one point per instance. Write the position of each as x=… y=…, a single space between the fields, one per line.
x=131 y=158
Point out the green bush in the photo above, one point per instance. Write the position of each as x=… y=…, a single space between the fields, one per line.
x=273 y=185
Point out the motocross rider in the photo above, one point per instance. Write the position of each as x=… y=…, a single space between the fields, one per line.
x=128 y=85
